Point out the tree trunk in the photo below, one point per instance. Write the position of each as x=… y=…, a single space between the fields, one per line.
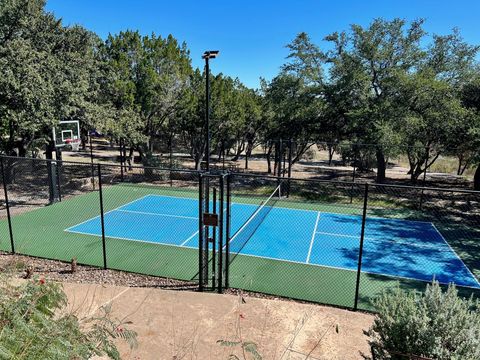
x=381 y=168
x=476 y=178
x=240 y=149
x=460 y=162
x=248 y=153
x=269 y=162
x=331 y=151
x=130 y=159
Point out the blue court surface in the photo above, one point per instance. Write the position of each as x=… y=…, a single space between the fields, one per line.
x=393 y=247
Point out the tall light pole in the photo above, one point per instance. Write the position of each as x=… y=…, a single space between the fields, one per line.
x=207 y=55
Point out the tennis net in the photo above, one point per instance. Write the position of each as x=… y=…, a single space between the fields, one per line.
x=246 y=231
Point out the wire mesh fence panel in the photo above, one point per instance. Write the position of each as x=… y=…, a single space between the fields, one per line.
x=46 y=198
x=296 y=240
x=150 y=221
x=5 y=244
x=415 y=235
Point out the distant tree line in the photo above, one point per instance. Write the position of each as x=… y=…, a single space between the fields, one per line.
x=387 y=84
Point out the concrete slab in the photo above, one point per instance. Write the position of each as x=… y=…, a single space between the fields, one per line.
x=188 y=325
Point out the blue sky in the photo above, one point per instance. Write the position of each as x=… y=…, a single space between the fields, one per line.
x=251 y=35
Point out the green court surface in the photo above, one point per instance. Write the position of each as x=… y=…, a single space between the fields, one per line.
x=41 y=232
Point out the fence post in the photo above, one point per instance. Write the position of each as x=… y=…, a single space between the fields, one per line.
x=91 y=160
x=102 y=220
x=227 y=234
x=200 y=233
x=220 y=235
x=360 y=250
x=59 y=164
x=7 y=206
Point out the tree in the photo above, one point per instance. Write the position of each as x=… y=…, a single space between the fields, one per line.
x=45 y=71
x=147 y=79
x=423 y=100
x=470 y=96
x=292 y=113
x=377 y=55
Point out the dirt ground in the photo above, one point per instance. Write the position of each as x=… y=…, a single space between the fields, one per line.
x=189 y=325
x=316 y=167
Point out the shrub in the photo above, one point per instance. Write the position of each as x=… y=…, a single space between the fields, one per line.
x=434 y=324
x=34 y=325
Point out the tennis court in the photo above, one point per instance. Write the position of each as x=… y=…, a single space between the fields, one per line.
x=411 y=250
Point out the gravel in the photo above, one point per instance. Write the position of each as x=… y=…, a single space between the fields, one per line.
x=60 y=271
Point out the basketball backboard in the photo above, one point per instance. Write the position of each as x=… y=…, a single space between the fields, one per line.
x=67 y=134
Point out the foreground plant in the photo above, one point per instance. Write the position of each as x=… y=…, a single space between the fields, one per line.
x=434 y=324
x=35 y=325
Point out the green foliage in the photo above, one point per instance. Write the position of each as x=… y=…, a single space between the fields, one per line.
x=385 y=84
x=435 y=324
x=34 y=324
x=247 y=347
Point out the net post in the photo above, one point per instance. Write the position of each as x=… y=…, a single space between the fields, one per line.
x=7 y=206
x=220 y=235
x=227 y=233
x=200 y=233
x=360 y=250
x=102 y=218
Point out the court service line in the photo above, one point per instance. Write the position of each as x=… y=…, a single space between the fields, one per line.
x=157 y=214
x=105 y=213
x=313 y=238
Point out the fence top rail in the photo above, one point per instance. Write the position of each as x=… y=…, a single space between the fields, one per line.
x=350 y=183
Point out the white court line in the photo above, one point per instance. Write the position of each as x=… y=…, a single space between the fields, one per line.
x=332 y=234
x=400 y=241
x=126 y=238
x=313 y=238
x=292 y=209
x=354 y=270
x=191 y=237
x=454 y=252
x=157 y=214
x=343 y=235
x=277 y=259
x=105 y=213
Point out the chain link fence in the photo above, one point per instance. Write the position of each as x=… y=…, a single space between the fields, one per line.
x=332 y=242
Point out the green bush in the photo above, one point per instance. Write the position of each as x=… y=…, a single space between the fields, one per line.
x=435 y=324
x=35 y=325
